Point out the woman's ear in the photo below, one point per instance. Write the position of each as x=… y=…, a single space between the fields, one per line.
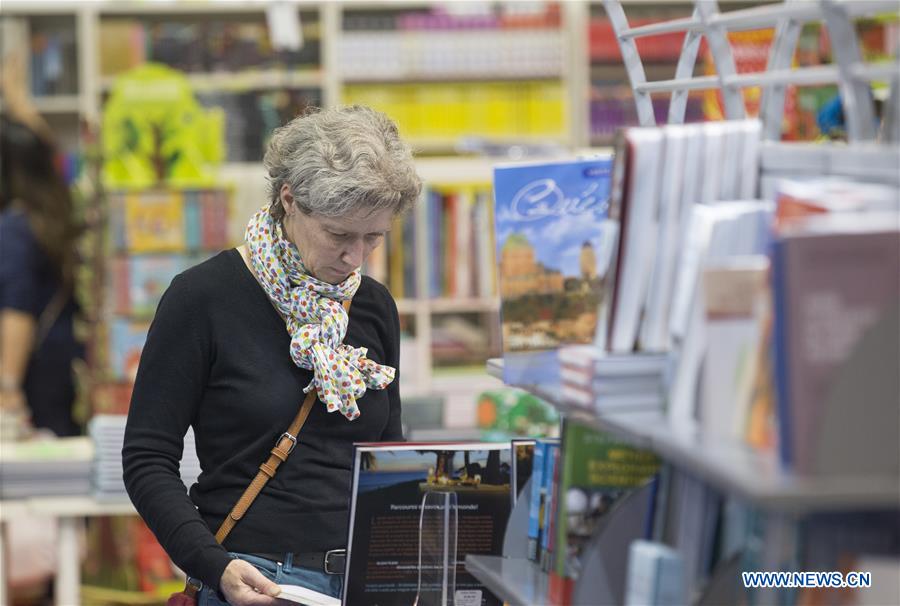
x=287 y=199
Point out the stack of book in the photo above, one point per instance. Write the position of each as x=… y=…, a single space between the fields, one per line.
x=603 y=382
x=41 y=468
x=107 y=433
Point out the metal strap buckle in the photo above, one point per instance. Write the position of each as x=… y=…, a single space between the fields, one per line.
x=340 y=555
x=289 y=437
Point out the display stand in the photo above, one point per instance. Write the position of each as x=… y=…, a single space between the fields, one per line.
x=515 y=542
x=605 y=566
x=732 y=469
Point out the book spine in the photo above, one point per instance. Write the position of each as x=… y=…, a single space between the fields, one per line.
x=781 y=353
x=534 y=512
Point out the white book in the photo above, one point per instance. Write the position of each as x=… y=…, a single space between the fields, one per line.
x=463 y=244
x=732 y=140
x=721 y=231
x=733 y=290
x=713 y=141
x=655 y=575
x=638 y=234
x=303 y=595
x=654 y=329
x=751 y=131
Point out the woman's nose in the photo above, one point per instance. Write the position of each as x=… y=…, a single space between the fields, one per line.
x=353 y=255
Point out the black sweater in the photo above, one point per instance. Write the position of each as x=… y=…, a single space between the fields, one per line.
x=217 y=358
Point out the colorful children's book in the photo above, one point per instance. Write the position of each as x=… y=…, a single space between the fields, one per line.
x=554 y=246
x=397 y=489
x=155 y=221
x=126 y=341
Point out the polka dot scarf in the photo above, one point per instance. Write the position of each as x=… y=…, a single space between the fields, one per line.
x=316 y=320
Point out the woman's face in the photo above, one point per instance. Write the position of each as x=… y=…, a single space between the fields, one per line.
x=333 y=247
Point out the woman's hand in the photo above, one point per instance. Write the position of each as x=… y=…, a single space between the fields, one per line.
x=244 y=585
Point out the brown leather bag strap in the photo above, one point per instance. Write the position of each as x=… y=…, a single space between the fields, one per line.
x=286 y=444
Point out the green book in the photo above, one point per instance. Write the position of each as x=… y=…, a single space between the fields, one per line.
x=596 y=472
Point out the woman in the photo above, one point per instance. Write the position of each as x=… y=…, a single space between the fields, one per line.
x=37 y=269
x=238 y=339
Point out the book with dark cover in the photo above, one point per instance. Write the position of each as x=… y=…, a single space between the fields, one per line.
x=388 y=537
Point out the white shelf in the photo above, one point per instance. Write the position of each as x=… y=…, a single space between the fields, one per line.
x=80 y=506
x=245 y=80
x=55 y=104
x=451 y=145
x=732 y=467
x=757 y=476
x=128 y=7
x=469 y=304
x=471 y=76
x=513 y=580
x=449 y=305
x=495 y=368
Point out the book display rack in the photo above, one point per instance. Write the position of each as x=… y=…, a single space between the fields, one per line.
x=770 y=508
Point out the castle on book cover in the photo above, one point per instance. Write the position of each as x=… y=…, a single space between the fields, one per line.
x=554 y=245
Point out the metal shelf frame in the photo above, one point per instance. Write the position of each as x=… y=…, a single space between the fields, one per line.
x=849 y=71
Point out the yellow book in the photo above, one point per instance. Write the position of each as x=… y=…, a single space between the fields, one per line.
x=154 y=222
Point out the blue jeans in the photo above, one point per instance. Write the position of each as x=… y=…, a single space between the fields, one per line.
x=283 y=573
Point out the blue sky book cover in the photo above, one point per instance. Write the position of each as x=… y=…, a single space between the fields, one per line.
x=554 y=249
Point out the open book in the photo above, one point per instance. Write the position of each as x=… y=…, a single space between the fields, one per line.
x=303 y=595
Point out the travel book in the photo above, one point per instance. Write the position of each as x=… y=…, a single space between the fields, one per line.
x=392 y=536
x=554 y=246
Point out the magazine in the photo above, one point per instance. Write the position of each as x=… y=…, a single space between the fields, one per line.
x=392 y=537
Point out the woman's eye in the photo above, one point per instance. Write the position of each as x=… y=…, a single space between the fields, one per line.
x=337 y=235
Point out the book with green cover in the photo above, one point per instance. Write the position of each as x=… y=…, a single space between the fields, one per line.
x=596 y=471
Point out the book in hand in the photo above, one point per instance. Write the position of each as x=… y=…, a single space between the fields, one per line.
x=304 y=595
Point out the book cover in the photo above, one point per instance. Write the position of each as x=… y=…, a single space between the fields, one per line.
x=149 y=277
x=551 y=229
x=655 y=575
x=836 y=294
x=634 y=206
x=214 y=219
x=390 y=483
x=538 y=494
x=548 y=510
x=155 y=222
x=126 y=341
x=595 y=471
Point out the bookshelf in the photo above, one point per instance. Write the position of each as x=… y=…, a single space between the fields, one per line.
x=733 y=468
x=706 y=471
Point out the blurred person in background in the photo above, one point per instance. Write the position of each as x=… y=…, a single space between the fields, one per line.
x=37 y=268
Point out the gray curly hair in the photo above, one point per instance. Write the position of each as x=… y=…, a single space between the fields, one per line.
x=339 y=160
